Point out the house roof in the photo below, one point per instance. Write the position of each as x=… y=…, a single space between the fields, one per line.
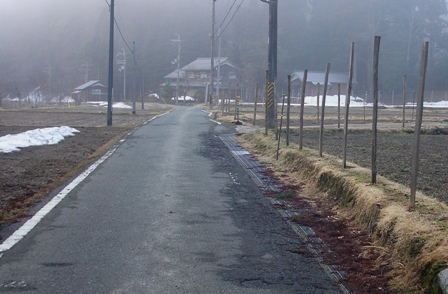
x=89 y=84
x=204 y=63
x=201 y=63
x=173 y=75
x=318 y=77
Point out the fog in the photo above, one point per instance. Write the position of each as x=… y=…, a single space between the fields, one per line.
x=56 y=45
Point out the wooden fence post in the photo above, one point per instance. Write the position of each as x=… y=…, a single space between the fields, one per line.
x=280 y=129
x=404 y=99
x=318 y=102
x=376 y=53
x=339 y=106
x=266 y=103
x=255 y=105
x=324 y=96
x=347 y=103
x=418 y=124
x=302 y=106
x=288 y=110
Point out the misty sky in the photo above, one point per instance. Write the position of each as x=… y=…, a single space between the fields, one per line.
x=66 y=34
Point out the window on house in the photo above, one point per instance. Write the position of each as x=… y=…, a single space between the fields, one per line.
x=191 y=75
x=203 y=75
x=232 y=76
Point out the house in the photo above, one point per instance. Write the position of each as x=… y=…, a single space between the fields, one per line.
x=90 y=91
x=195 y=77
x=316 y=79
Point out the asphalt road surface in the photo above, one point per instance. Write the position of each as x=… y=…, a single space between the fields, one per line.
x=170 y=211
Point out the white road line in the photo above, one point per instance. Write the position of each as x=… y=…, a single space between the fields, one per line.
x=216 y=122
x=20 y=233
x=31 y=223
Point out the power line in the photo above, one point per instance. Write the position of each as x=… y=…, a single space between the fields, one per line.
x=225 y=17
x=122 y=37
x=222 y=31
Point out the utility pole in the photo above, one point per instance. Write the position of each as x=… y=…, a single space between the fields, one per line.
x=134 y=79
x=86 y=67
x=272 y=58
x=122 y=62
x=219 y=66
x=212 y=78
x=178 y=65
x=111 y=65
x=48 y=71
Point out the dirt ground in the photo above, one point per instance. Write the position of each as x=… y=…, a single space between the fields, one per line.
x=29 y=175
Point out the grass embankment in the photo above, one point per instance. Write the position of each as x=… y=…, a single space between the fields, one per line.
x=415 y=242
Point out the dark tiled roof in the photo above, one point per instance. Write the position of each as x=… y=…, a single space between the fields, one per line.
x=89 y=84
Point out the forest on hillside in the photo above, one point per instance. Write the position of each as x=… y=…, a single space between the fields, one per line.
x=56 y=45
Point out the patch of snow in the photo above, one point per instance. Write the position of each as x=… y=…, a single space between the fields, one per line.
x=182 y=98
x=37 y=137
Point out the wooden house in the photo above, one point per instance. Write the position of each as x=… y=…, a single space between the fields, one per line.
x=195 y=77
x=90 y=91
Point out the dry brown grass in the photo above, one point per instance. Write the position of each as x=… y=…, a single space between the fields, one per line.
x=414 y=243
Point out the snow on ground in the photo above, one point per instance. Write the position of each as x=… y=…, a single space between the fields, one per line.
x=333 y=101
x=182 y=98
x=115 y=105
x=37 y=137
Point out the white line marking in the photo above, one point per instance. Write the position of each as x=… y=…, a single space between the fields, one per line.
x=216 y=122
x=31 y=223
x=20 y=233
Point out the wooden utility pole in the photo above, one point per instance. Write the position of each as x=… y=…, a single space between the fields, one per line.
x=212 y=59
x=111 y=64
x=272 y=60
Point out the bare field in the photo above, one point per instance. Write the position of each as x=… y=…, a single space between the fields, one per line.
x=395 y=143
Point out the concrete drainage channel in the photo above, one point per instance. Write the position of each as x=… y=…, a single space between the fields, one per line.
x=258 y=173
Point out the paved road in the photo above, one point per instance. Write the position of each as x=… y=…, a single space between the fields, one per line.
x=170 y=211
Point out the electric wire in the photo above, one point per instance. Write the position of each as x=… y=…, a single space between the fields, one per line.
x=222 y=31
x=225 y=17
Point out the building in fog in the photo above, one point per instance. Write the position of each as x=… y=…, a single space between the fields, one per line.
x=195 y=77
x=90 y=91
